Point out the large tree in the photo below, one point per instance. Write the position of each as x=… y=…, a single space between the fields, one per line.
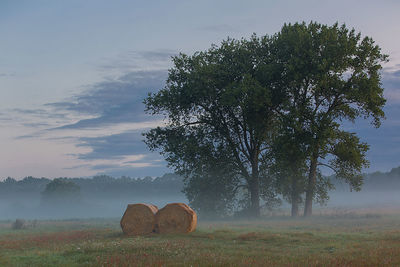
x=331 y=75
x=221 y=107
x=245 y=106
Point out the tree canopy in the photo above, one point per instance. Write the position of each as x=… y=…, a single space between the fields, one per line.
x=61 y=191
x=228 y=108
x=221 y=106
x=331 y=75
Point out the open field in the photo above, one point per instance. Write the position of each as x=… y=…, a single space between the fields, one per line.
x=346 y=239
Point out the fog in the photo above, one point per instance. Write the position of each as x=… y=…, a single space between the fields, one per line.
x=364 y=199
x=100 y=196
x=380 y=191
x=32 y=208
x=106 y=197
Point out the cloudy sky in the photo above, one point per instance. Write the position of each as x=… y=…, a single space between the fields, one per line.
x=73 y=74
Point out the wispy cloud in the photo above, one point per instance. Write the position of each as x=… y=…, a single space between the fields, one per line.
x=104 y=122
x=136 y=171
x=112 y=135
x=7 y=74
x=105 y=166
x=391 y=83
x=113 y=146
x=113 y=101
x=224 y=28
x=29 y=136
x=40 y=113
x=138 y=60
x=130 y=161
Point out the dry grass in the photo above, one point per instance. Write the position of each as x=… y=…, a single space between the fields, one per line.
x=356 y=240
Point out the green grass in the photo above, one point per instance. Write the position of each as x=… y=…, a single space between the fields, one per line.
x=348 y=240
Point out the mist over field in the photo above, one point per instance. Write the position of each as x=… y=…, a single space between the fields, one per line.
x=107 y=197
x=101 y=196
x=380 y=191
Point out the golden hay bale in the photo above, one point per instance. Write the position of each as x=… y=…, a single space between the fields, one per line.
x=139 y=219
x=176 y=218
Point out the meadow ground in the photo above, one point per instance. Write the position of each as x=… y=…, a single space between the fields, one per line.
x=346 y=239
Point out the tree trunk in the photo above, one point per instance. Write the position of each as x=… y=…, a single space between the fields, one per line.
x=295 y=199
x=295 y=209
x=255 y=197
x=255 y=188
x=312 y=178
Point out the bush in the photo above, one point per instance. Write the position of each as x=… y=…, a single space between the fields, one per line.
x=61 y=192
x=18 y=224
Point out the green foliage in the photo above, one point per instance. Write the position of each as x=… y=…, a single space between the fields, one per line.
x=211 y=197
x=61 y=191
x=289 y=164
x=18 y=224
x=220 y=105
x=331 y=74
x=340 y=240
x=101 y=186
x=272 y=101
x=349 y=158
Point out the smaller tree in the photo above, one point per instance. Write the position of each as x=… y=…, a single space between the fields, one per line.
x=331 y=75
x=61 y=192
x=18 y=224
x=211 y=197
x=289 y=168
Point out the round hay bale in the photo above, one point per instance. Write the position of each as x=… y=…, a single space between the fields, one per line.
x=139 y=219
x=176 y=218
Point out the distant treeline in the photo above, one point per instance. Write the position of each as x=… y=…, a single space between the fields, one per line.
x=166 y=185
x=105 y=196
x=98 y=186
x=383 y=181
x=376 y=181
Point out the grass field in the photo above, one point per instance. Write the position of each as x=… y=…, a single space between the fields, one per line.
x=329 y=240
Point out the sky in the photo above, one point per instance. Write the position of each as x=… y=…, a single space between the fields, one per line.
x=73 y=75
